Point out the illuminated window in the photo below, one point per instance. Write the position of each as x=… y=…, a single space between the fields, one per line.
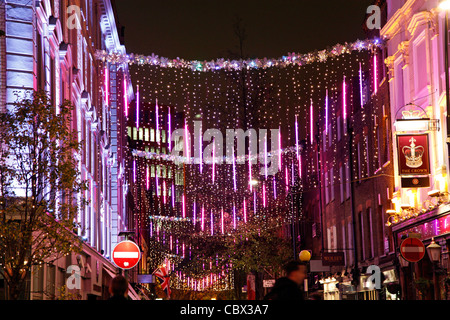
x=147 y=135
x=152 y=135
x=141 y=134
x=163 y=136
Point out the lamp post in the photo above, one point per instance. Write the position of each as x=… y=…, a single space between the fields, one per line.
x=434 y=253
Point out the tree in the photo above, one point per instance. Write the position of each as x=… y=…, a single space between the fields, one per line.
x=40 y=187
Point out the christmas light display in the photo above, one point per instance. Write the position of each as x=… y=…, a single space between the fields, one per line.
x=288 y=95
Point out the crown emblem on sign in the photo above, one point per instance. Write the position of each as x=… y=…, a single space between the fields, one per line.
x=413 y=154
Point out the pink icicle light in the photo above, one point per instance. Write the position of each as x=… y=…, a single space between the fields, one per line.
x=274 y=188
x=164 y=192
x=169 y=129
x=250 y=178
x=344 y=99
x=203 y=218
x=375 y=73
x=254 y=203
x=158 y=138
x=222 y=225
x=245 y=211
x=361 y=85
x=280 y=149
x=234 y=216
x=125 y=95
x=214 y=161
x=148 y=178
x=173 y=196
x=286 y=177
x=311 y=122
x=194 y=214
x=137 y=107
x=234 y=173
x=186 y=143
x=184 y=206
x=265 y=157
x=107 y=85
x=212 y=223
x=326 y=114
x=264 y=194
x=134 y=170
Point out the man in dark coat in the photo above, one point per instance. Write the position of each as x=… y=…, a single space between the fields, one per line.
x=288 y=288
x=119 y=288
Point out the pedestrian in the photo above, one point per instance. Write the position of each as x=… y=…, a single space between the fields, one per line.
x=288 y=287
x=119 y=288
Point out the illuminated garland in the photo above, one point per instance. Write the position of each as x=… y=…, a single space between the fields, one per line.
x=234 y=65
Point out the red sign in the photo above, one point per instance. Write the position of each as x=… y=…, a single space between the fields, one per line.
x=412 y=249
x=126 y=254
x=413 y=156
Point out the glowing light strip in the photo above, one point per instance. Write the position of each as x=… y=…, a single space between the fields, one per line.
x=173 y=196
x=157 y=180
x=326 y=114
x=214 y=161
x=234 y=216
x=134 y=170
x=125 y=95
x=183 y=199
x=203 y=218
x=265 y=156
x=212 y=223
x=186 y=142
x=245 y=211
x=148 y=178
x=137 y=108
x=254 y=202
x=169 y=123
x=375 y=73
x=344 y=100
x=311 y=122
x=222 y=222
x=234 y=172
x=194 y=215
x=164 y=192
x=286 y=177
x=361 y=85
x=279 y=149
x=106 y=85
x=200 y=138
x=274 y=188
x=264 y=194
x=158 y=137
x=250 y=169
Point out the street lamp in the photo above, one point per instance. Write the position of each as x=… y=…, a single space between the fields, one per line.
x=434 y=253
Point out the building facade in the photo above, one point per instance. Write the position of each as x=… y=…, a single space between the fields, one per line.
x=414 y=36
x=50 y=45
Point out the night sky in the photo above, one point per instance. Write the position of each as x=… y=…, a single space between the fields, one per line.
x=203 y=29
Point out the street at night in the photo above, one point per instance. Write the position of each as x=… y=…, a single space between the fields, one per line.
x=234 y=158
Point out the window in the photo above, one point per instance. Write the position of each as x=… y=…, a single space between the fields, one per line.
x=135 y=133
x=379 y=139
x=350 y=242
x=141 y=134
x=163 y=136
x=147 y=135
x=371 y=232
x=368 y=157
x=387 y=154
x=362 y=251
x=344 y=244
x=152 y=135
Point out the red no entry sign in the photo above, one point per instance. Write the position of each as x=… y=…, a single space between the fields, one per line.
x=126 y=254
x=412 y=249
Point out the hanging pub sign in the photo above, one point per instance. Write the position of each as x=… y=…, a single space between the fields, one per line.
x=413 y=155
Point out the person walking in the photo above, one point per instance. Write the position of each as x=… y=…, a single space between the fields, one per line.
x=288 y=287
x=119 y=288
